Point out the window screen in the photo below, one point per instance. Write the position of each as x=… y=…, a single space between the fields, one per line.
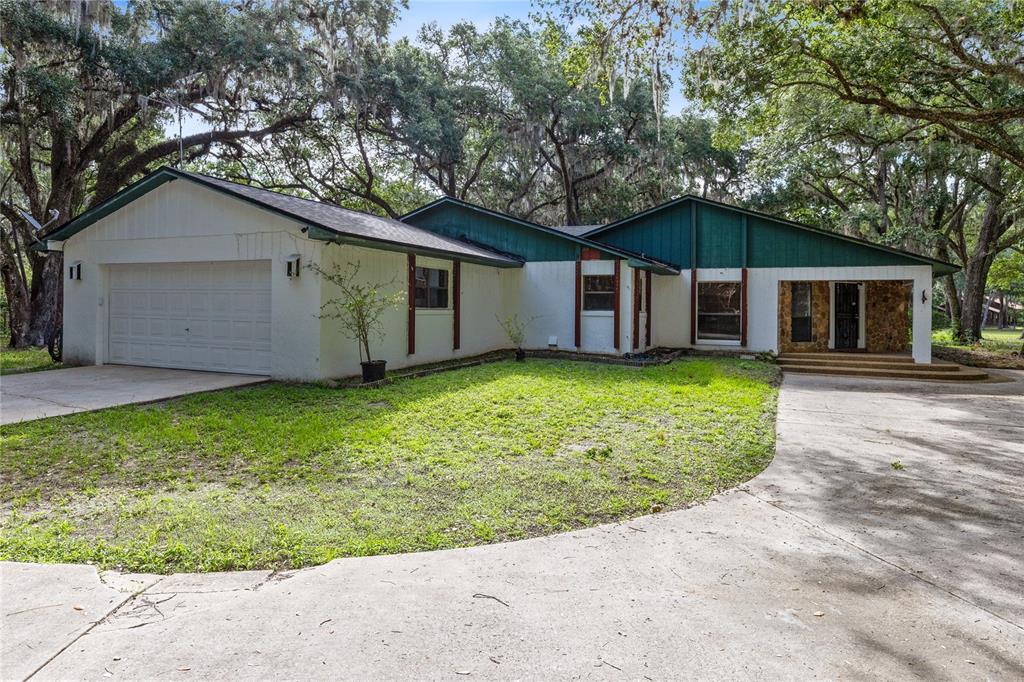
x=801 y=311
x=431 y=288
x=718 y=311
x=598 y=292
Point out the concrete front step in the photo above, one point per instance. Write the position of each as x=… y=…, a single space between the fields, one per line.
x=849 y=357
x=910 y=372
x=786 y=361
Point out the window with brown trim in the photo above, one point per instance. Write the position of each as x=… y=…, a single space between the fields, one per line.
x=801 y=312
x=431 y=288
x=598 y=292
x=718 y=311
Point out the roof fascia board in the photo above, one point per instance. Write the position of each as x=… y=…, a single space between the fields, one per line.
x=344 y=236
x=606 y=248
x=165 y=174
x=322 y=234
x=941 y=267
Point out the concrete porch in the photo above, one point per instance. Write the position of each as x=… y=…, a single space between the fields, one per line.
x=877 y=365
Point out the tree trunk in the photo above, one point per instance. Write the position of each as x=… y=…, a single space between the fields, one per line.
x=46 y=305
x=1002 y=311
x=978 y=263
x=953 y=303
x=973 y=309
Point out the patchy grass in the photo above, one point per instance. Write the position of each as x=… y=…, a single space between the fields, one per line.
x=283 y=475
x=997 y=348
x=15 y=361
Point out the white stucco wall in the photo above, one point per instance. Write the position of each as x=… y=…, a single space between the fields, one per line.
x=763 y=299
x=671 y=302
x=482 y=302
x=670 y=307
x=545 y=293
x=184 y=222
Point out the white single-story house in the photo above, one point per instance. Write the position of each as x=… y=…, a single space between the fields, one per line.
x=184 y=270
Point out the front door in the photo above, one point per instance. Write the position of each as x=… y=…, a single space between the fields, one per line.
x=847 y=313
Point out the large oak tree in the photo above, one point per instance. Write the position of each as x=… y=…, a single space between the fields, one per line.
x=88 y=89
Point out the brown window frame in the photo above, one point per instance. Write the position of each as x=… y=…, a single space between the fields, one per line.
x=801 y=326
x=719 y=337
x=600 y=294
x=427 y=294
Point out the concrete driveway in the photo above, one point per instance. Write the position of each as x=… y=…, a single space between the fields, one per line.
x=35 y=395
x=832 y=563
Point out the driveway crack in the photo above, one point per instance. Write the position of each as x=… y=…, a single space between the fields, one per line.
x=117 y=607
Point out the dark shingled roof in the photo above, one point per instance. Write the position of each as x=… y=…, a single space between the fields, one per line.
x=576 y=230
x=330 y=217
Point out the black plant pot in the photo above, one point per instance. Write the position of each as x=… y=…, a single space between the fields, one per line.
x=520 y=354
x=373 y=370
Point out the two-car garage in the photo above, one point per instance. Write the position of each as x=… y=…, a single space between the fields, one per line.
x=213 y=316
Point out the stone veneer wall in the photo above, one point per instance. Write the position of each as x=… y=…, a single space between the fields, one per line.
x=887 y=311
x=819 y=319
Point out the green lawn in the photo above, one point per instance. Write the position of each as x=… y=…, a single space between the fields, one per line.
x=24 y=359
x=283 y=475
x=996 y=349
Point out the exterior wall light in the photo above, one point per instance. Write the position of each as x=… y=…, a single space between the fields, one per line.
x=292 y=266
x=75 y=270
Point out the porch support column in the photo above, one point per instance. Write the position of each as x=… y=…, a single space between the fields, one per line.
x=693 y=307
x=457 y=304
x=743 y=308
x=577 y=322
x=647 y=291
x=636 y=309
x=617 y=303
x=412 y=305
x=921 y=336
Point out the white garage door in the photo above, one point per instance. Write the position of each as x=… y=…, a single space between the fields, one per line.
x=211 y=316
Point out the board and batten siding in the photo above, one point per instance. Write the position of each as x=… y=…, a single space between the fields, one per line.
x=730 y=238
x=482 y=301
x=183 y=222
x=501 y=234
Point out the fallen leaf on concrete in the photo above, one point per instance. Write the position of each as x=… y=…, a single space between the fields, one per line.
x=76 y=607
x=819 y=614
x=463 y=672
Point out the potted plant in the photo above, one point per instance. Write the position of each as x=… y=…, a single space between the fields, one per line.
x=359 y=308
x=516 y=331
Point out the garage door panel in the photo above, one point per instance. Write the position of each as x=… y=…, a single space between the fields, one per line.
x=191 y=315
x=199 y=276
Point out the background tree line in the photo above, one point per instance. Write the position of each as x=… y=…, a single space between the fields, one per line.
x=898 y=122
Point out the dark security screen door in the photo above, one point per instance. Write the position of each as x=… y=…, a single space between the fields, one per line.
x=847 y=315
